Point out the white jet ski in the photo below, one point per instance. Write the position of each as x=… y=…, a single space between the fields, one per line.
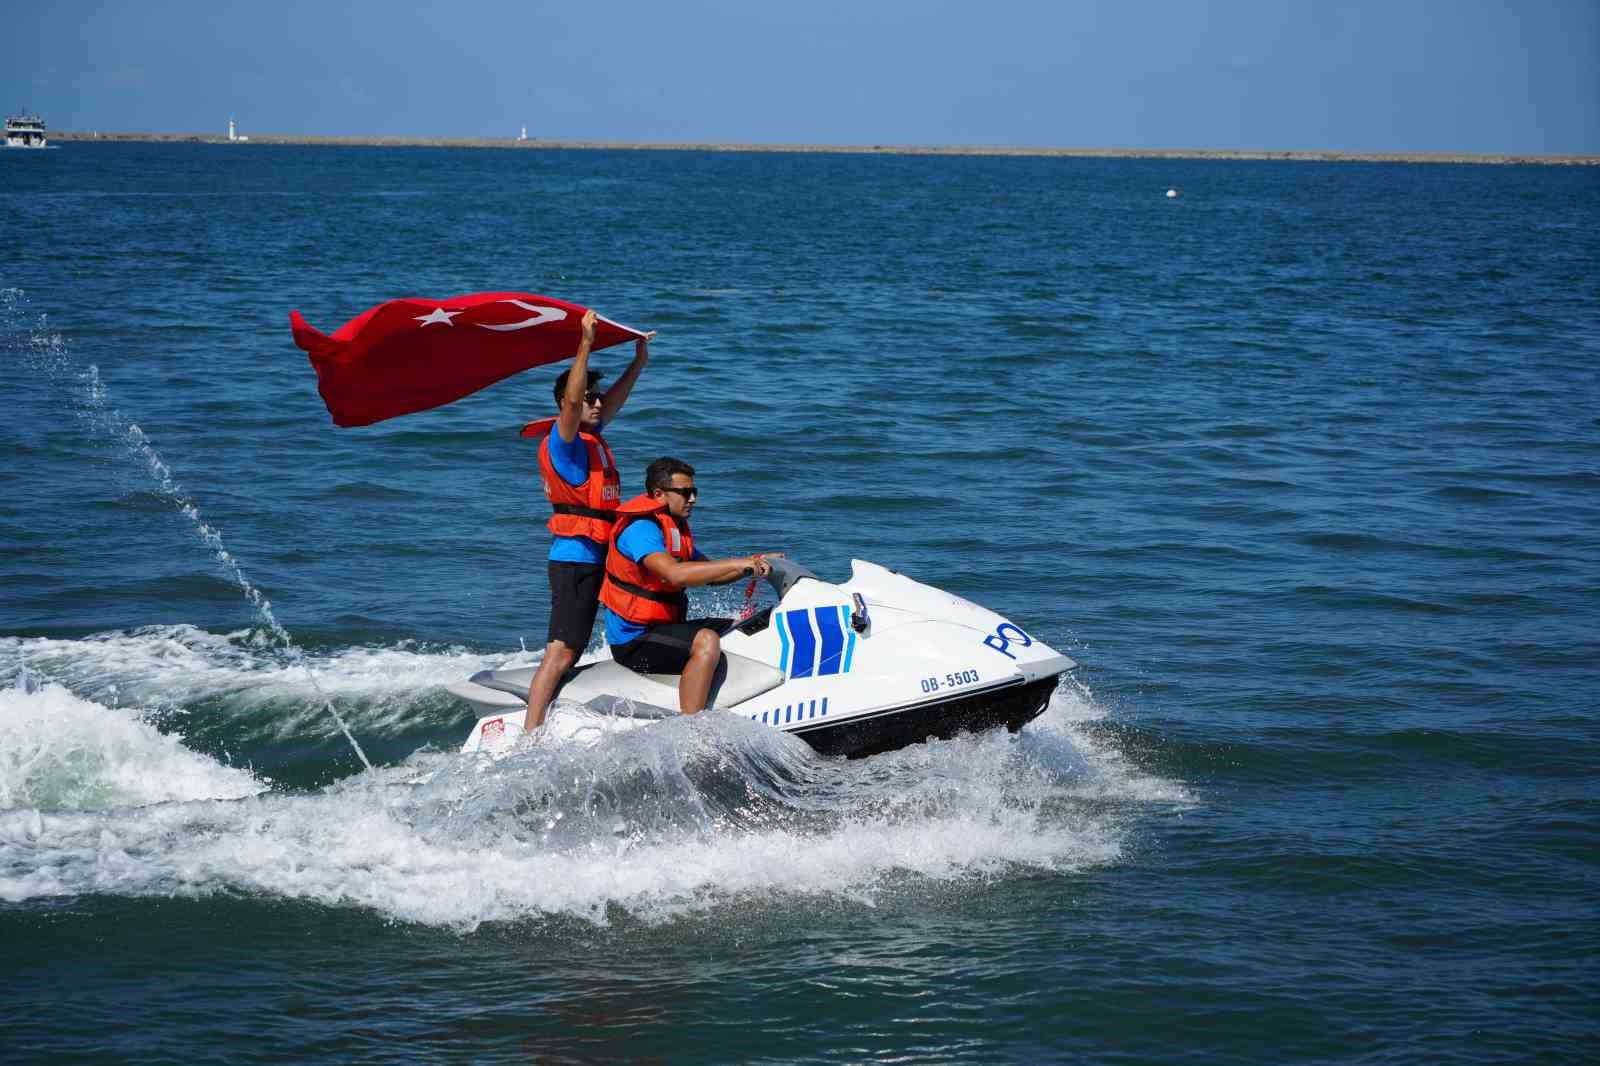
x=867 y=666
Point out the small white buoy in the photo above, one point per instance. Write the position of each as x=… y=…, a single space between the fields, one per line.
x=1172 y=194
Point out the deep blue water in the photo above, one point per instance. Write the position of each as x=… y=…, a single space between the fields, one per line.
x=1303 y=466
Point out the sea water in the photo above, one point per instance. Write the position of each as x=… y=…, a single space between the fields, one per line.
x=1301 y=465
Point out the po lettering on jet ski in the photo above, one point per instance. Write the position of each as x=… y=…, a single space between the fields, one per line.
x=1002 y=643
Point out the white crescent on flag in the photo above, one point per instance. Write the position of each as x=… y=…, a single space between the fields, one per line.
x=541 y=315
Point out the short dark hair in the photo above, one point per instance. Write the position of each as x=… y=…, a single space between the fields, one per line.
x=658 y=475
x=561 y=382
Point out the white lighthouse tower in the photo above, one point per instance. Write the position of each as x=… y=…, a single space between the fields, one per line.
x=231 y=137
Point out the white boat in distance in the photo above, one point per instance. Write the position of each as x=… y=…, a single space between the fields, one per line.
x=25 y=131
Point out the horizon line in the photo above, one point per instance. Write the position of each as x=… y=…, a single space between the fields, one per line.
x=408 y=141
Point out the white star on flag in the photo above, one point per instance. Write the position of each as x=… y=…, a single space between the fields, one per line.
x=438 y=314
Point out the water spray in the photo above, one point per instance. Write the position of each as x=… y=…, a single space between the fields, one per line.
x=140 y=447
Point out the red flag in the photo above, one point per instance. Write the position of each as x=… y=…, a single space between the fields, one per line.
x=414 y=354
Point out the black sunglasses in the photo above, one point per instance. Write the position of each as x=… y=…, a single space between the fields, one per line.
x=689 y=493
x=591 y=397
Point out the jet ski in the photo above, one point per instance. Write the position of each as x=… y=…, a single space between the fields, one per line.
x=867 y=666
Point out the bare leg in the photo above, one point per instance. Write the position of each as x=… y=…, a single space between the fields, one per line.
x=695 y=684
x=558 y=659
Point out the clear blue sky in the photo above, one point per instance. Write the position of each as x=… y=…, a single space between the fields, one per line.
x=1377 y=75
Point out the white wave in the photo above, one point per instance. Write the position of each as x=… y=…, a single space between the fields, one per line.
x=171 y=669
x=680 y=817
x=60 y=751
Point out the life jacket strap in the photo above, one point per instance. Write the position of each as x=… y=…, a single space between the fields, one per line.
x=583 y=512
x=649 y=594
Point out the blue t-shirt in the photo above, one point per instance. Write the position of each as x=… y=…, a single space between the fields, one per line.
x=638 y=540
x=571 y=460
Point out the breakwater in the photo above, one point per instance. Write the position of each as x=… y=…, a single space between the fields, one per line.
x=1307 y=155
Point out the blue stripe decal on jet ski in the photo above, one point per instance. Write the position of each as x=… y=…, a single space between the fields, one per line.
x=850 y=638
x=793 y=712
x=832 y=640
x=805 y=643
x=783 y=654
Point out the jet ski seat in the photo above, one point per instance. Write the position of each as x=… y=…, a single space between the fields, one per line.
x=743 y=679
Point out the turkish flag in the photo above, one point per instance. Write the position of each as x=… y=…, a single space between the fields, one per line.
x=414 y=354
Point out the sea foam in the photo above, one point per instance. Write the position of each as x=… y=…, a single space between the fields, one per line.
x=680 y=817
x=60 y=751
x=170 y=670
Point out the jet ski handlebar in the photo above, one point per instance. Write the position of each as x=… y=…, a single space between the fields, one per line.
x=785 y=572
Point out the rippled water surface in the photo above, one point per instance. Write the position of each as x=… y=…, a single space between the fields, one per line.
x=1302 y=465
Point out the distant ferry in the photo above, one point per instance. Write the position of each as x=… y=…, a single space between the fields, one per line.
x=25 y=131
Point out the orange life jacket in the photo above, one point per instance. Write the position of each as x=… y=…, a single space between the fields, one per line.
x=586 y=510
x=632 y=591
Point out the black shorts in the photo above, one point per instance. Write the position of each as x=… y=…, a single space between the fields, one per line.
x=664 y=649
x=574 y=600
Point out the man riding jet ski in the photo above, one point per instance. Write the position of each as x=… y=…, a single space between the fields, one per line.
x=650 y=564
x=873 y=664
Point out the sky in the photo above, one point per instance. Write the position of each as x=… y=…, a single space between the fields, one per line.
x=1360 y=75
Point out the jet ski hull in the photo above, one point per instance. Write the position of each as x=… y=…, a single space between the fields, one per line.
x=1013 y=706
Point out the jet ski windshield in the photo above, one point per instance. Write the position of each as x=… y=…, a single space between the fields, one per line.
x=785 y=572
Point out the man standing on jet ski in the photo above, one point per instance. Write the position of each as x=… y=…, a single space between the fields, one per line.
x=581 y=482
x=651 y=561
